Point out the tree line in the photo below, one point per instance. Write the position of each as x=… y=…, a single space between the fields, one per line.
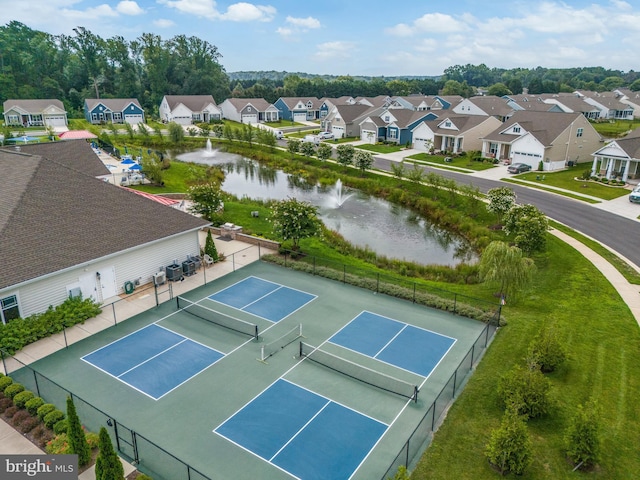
x=36 y=64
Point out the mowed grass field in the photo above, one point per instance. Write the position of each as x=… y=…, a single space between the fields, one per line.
x=603 y=342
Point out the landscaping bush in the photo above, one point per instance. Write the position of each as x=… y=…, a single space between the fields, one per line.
x=33 y=405
x=547 y=351
x=525 y=390
x=28 y=424
x=19 y=417
x=510 y=447
x=5 y=382
x=5 y=403
x=51 y=418
x=58 y=445
x=41 y=435
x=44 y=410
x=582 y=437
x=22 y=398
x=61 y=427
x=142 y=476
x=13 y=389
x=11 y=411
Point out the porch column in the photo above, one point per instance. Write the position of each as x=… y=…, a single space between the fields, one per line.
x=609 y=168
x=594 y=166
x=626 y=170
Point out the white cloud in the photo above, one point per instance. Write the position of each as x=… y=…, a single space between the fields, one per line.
x=428 y=23
x=334 y=50
x=129 y=7
x=284 y=32
x=247 y=12
x=200 y=8
x=164 y=23
x=308 y=23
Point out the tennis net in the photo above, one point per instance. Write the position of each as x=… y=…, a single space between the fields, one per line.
x=359 y=372
x=218 y=318
x=271 y=348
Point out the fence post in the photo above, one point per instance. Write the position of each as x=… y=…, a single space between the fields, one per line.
x=314 y=264
x=377 y=282
x=414 y=292
x=113 y=309
x=455 y=379
x=344 y=273
x=64 y=334
x=455 y=302
x=35 y=379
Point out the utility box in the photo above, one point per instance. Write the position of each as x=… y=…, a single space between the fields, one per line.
x=159 y=278
x=174 y=272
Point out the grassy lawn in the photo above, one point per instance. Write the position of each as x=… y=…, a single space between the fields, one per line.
x=616 y=129
x=566 y=179
x=381 y=148
x=603 y=342
x=284 y=124
x=464 y=163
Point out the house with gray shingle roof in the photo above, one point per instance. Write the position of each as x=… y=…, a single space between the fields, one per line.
x=454 y=133
x=34 y=113
x=555 y=139
x=609 y=105
x=249 y=110
x=189 y=109
x=344 y=120
x=299 y=109
x=63 y=231
x=488 y=105
x=630 y=98
x=113 y=110
x=619 y=158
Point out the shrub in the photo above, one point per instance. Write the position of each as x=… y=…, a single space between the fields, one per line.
x=29 y=424
x=586 y=175
x=44 y=410
x=546 y=350
x=142 y=476
x=53 y=417
x=19 y=417
x=11 y=411
x=525 y=390
x=5 y=403
x=510 y=448
x=93 y=439
x=41 y=435
x=13 y=389
x=61 y=426
x=5 y=382
x=33 y=405
x=58 y=445
x=76 y=435
x=22 y=398
x=582 y=437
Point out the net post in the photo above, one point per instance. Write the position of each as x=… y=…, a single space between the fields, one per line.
x=178 y=302
x=415 y=394
x=262 y=359
x=300 y=350
x=300 y=331
x=256 y=334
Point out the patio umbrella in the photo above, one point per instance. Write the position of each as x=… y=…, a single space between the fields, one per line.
x=135 y=167
x=128 y=161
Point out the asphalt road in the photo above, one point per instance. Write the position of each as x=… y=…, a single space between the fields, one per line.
x=618 y=233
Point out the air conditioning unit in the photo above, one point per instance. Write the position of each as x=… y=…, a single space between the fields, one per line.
x=159 y=278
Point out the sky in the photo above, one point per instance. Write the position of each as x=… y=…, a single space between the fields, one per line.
x=364 y=37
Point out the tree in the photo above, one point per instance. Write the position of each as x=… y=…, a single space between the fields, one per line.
x=501 y=199
x=324 y=151
x=108 y=464
x=416 y=174
x=294 y=220
x=582 y=437
x=176 y=133
x=528 y=226
x=510 y=448
x=546 y=350
x=499 y=90
x=399 y=170
x=345 y=155
x=526 y=390
x=152 y=168
x=206 y=198
x=307 y=149
x=504 y=265
x=293 y=147
x=362 y=160
x=77 y=439
x=210 y=247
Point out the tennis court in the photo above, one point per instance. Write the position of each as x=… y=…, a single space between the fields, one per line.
x=263 y=373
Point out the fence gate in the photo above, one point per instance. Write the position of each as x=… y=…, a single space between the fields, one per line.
x=126 y=442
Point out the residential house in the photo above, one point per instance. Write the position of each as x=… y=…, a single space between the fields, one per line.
x=299 y=109
x=35 y=113
x=394 y=125
x=630 y=98
x=344 y=120
x=489 y=105
x=534 y=103
x=426 y=102
x=113 y=110
x=189 y=109
x=64 y=232
x=609 y=105
x=453 y=133
x=249 y=110
x=570 y=103
x=547 y=138
x=619 y=158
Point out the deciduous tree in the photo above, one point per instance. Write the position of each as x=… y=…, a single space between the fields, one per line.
x=294 y=220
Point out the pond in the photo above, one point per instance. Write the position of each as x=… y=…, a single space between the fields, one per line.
x=363 y=220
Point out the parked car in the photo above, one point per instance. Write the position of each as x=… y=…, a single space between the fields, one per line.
x=279 y=134
x=315 y=139
x=518 y=168
x=634 y=197
x=325 y=135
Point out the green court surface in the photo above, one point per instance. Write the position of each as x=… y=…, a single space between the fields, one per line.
x=183 y=421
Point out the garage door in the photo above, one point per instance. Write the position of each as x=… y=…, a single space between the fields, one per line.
x=250 y=119
x=338 y=132
x=420 y=144
x=300 y=117
x=55 y=121
x=368 y=136
x=133 y=119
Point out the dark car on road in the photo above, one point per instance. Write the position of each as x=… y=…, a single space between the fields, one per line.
x=518 y=168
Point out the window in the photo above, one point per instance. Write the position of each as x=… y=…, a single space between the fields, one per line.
x=579 y=132
x=516 y=129
x=117 y=116
x=447 y=124
x=392 y=133
x=9 y=308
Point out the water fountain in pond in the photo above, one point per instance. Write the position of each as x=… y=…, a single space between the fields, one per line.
x=338 y=196
x=208 y=150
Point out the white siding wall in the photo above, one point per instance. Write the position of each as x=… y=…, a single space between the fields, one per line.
x=527 y=150
x=140 y=263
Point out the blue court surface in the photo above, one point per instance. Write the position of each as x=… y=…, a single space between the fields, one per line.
x=303 y=433
x=410 y=348
x=263 y=298
x=153 y=360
